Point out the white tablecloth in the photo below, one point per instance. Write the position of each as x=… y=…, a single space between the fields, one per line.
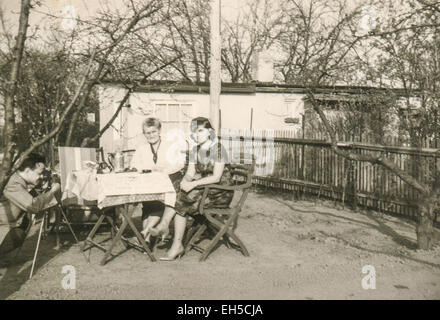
x=119 y=188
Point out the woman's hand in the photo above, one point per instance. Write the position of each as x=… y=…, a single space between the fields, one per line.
x=197 y=176
x=187 y=186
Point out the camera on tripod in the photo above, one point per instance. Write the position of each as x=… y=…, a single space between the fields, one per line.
x=48 y=179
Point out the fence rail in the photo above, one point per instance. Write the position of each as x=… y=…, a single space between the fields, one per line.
x=311 y=167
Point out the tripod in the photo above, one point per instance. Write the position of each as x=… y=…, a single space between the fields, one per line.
x=45 y=216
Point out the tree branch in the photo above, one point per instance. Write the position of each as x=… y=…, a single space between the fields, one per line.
x=374 y=159
x=88 y=141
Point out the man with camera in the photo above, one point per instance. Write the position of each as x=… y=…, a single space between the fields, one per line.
x=19 y=201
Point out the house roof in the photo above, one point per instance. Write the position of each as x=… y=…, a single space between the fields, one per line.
x=251 y=88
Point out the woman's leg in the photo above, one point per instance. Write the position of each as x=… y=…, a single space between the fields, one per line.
x=179 y=232
x=151 y=213
x=177 y=248
x=163 y=227
x=147 y=224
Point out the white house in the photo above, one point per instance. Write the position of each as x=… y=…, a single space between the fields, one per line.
x=242 y=106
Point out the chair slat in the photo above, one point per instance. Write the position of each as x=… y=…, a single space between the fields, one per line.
x=71 y=158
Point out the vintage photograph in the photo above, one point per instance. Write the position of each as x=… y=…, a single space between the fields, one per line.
x=220 y=150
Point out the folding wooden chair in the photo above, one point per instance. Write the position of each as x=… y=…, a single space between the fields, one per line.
x=223 y=221
x=89 y=242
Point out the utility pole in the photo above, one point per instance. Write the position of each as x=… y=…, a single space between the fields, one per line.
x=215 y=73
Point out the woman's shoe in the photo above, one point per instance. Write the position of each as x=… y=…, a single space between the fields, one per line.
x=179 y=255
x=136 y=241
x=144 y=234
x=162 y=232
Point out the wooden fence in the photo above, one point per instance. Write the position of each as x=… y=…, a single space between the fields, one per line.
x=311 y=167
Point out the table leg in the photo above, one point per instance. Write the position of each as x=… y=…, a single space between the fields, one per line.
x=94 y=230
x=113 y=228
x=127 y=216
x=115 y=240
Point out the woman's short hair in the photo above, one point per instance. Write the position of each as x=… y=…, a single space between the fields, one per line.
x=205 y=123
x=200 y=121
x=151 y=122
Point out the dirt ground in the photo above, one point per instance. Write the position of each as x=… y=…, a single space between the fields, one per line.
x=298 y=250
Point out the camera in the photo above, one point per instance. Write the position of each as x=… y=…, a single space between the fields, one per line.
x=49 y=178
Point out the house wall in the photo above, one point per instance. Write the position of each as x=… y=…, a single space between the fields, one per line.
x=269 y=112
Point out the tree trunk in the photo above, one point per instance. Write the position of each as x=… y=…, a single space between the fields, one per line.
x=87 y=141
x=76 y=114
x=8 y=133
x=426 y=233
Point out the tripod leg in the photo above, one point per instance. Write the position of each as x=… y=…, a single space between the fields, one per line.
x=57 y=230
x=38 y=245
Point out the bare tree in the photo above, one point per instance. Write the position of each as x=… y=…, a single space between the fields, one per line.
x=184 y=32
x=8 y=132
x=114 y=29
x=408 y=56
x=46 y=83
x=318 y=41
x=329 y=58
x=254 y=29
x=94 y=66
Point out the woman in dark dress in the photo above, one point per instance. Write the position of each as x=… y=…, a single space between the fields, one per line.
x=208 y=163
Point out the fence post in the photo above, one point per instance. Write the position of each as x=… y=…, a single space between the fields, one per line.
x=354 y=184
x=352 y=176
x=355 y=180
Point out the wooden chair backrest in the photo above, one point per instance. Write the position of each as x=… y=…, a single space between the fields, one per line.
x=71 y=158
x=242 y=170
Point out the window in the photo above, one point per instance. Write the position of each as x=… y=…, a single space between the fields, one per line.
x=174 y=115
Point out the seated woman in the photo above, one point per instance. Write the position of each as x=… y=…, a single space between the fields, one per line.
x=208 y=164
x=157 y=155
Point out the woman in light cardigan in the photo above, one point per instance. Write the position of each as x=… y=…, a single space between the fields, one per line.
x=157 y=154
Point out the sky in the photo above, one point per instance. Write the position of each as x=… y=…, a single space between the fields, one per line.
x=82 y=9
x=85 y=8
x=67 y=9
